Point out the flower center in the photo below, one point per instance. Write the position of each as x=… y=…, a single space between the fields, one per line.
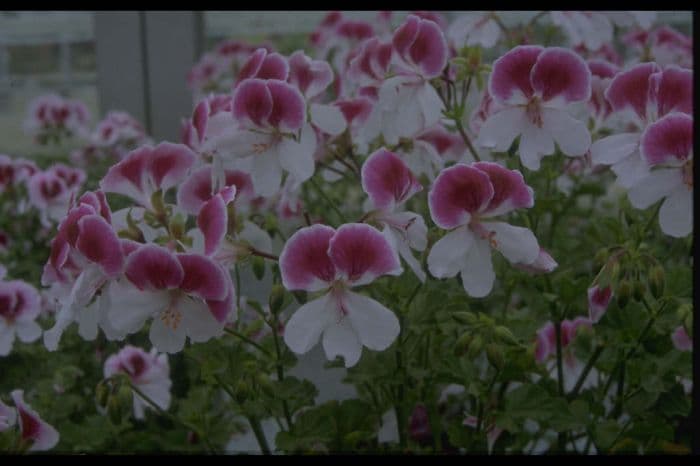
x=483 y=233
x=533 y=111
x=171 y=316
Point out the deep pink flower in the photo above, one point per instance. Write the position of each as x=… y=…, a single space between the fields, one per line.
x=321 y=258
x=598 y=301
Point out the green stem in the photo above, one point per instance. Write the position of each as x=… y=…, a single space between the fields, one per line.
x=327 y=199
x=280 y=373
x=259 y=434
x=236 y=334
x=561 y=436
x=589 y=365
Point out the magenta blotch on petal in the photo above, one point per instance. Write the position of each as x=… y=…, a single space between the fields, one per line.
x=312 y=77
x=168 y=164
x=98 y=242
x=510 y=78
x=362 y=252
x=252 y=102
x=509 y=189
x=668 y=140
x=154 y=268
x=598 y=300
x=212 y=221
x=559 y=72
x=304 y=261
x=387 y=179
x=421 y=43
x=288 y=107
x=672 y=90
x=630 y=89
x=203 y=277
x=681 y=339
x=457 y=193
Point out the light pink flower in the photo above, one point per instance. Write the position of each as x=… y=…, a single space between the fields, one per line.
x=149 y=372
x=598 y=301
x=319 y=258
x=389 y=184
x=33 y=429
x=49 y=193
x=536 y=87
x=681 y=339
x=53 y=116
x=544 y=263
x=147 y=170
x=188 y=295
x=19 y=308
x=474 y=29
x=432 y=148
x=592 y=29
x=461 y=198
x=667 y=149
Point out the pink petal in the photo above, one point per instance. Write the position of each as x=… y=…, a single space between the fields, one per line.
x=169 y=163
x=99 y=243
x=672 y=90
x=288 y=108
x=312 y=77
x=371 y=63
x=32 y=427
x=668 y=140
x=355 y=110
x=154 y=268
x=362 y=253
x=559 y=72
x=602 y=68
x=195 y=190
x=545 y=343
x=457 y=193
x=200 y=117
x=98 y=201
x=629 y=90
x=264 y=65
x=509 y=189
x=681 y=340
x=203 y=277
x=243 y=183
x=510 y=75
x=387 y=179
x=128 y=177
x=304 y=261
x=252 y=102
x=213 y=221
x=421 y=43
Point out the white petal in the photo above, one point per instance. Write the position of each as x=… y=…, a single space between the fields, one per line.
x=613 y=149
x=657 y=184
x=500 y=129
x=7 y=338
x=130 y=307
x=630 y=170
x=534 y=144
x=411 y=261
x=104 y=305
x=477 y=273
x=200 y=325
x=375 y=325
x=676 y=214
x=158 y=391
x=266 y=173
x=406 y=118
x=328 y=118
x=304 y=328
x=298 y=157
x=256 y=236
x=166 y=339
x=448 y=256
x=431 y=105
x=87 y=318
x=340 y=339
x=517 y=244
x=28 y=331
x=571 y=135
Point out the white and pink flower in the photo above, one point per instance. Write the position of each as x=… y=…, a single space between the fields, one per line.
x=19 y=308
x=681 y=339
x=149 y=372
x=463 y=199
x=319 y=258
x=389 y=184
x=474 y=29
x=598 y=301
x=35 y=433
x=536 y=88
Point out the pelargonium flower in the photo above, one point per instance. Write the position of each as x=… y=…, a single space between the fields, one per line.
x=546 y=348
x=389 y=184
x=149 y=372
x=535 y=87
x=262 y=64
x=602 y=73
x=667 y=149
x=642 y=94
x=370 y=65
x=408 y=103
x=35 y=433
x=52 y=116
x=598 y=301
x=356 y=112
x=147 y=170
x=49 y=193
x=188 y=295
x=312 y=78
x=268 y=114
x=85 y=254
x=474 y=29
x=19 y=308
x=592 y=29
x=681 y=339
x=544 y=263
x=492 y=431
x=211 y=118
x=118 y=133
x=318 y=258
x=462 y=197
x=432 y=148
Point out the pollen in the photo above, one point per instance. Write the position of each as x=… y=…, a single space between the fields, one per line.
x=171 y=317
x=534 y=113
x=259 y=148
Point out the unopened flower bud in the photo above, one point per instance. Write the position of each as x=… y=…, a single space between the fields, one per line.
x=624 y=291
x=494 y=353
x=657 y=279
x=475 y=347
x=462 y=343
x=638 y=290
x=505 y=335
x=177 y=226
x=276 y=298
x=463 y=317
x=258 y=264
x=102 y=394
